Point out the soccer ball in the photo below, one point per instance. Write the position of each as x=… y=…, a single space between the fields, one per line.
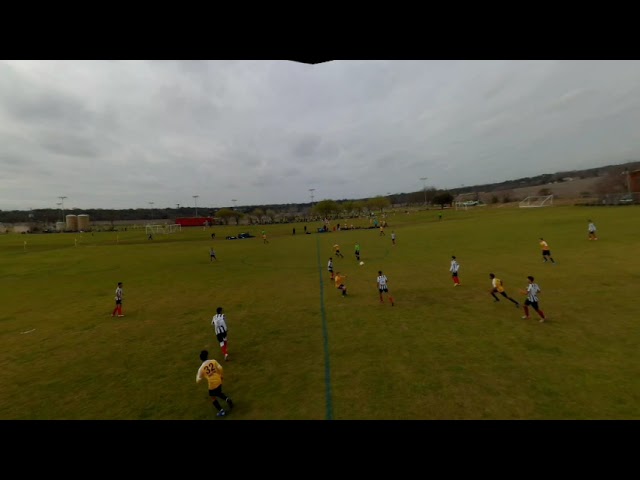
x=361 y=263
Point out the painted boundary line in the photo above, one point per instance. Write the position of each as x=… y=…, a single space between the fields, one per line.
x=325 y=336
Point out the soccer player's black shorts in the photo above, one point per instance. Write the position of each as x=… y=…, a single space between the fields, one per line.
x=222 y=336
x=217 y=392
x=546 y=252
x=383 y=289
x=118 y=302
x=528 y=302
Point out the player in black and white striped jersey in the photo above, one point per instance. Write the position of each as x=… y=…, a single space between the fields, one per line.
x=220 y=325
x=383 y=287
x=532 y=291
x=455 y=266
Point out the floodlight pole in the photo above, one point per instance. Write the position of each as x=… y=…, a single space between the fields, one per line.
x=195 y=197
x=62 y=206
x=424 y=187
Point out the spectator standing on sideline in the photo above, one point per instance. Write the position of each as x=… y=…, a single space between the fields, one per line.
x=214 y=374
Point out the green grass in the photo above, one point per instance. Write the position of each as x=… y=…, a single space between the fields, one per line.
x=298 y=350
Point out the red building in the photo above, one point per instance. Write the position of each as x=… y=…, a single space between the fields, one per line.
x=195 y=221
x=634 y=181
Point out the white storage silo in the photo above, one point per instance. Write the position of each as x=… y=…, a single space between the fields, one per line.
x=83 y=222
x=72 y=223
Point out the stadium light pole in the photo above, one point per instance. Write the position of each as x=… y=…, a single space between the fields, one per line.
x=62 y=206
x=195 y=197
x=177 y=206
x=311 y=190
x=628 y=178
x=424 y=187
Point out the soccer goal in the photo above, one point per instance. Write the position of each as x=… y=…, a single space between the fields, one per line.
x=162 y=228
x=466 y=200
x=537 y=201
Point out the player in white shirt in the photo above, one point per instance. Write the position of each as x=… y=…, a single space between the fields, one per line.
x=220 y=325
x=455 y=266
x=118 y=309
x=383 y=287
x=330 y=267
x=592 y=231
x=532 y=291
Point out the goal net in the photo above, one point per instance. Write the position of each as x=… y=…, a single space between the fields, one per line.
x=465 y=200
x=149 y=229
x=537 y=201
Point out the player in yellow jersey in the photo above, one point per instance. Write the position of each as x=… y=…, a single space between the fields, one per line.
x=546 y=251
x=214 y=374
x=497 y=287
x=339 y=279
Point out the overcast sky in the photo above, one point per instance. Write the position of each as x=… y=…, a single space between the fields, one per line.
x=121 y=134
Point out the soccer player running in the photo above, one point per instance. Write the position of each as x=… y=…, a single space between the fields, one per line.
x=214 y=374
x=393 y=238
x=497 y=287
x=383 y=287
x=330 y=267
x=357 y=251
x=532 y=291
x=220 y=325
x=546 y=252
x=339 y=280
x=212 y=255
x=592 y=231
x=336 y=249
x=455 y=266
x=118 y=308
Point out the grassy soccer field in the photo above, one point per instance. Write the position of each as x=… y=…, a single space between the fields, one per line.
x=298 y=350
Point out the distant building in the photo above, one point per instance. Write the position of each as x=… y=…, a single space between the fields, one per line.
x=634 y=181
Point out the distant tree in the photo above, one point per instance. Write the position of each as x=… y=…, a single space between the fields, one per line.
x=257 y=213
x=326 y=208
x=271 y=214
x=378 y=203
x=347 y=207
x=544 y=191
x=358 y=207
x=494 y=199
x=443 y=198
x=226 y=214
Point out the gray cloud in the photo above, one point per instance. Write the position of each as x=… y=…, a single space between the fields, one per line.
x=119 y=134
